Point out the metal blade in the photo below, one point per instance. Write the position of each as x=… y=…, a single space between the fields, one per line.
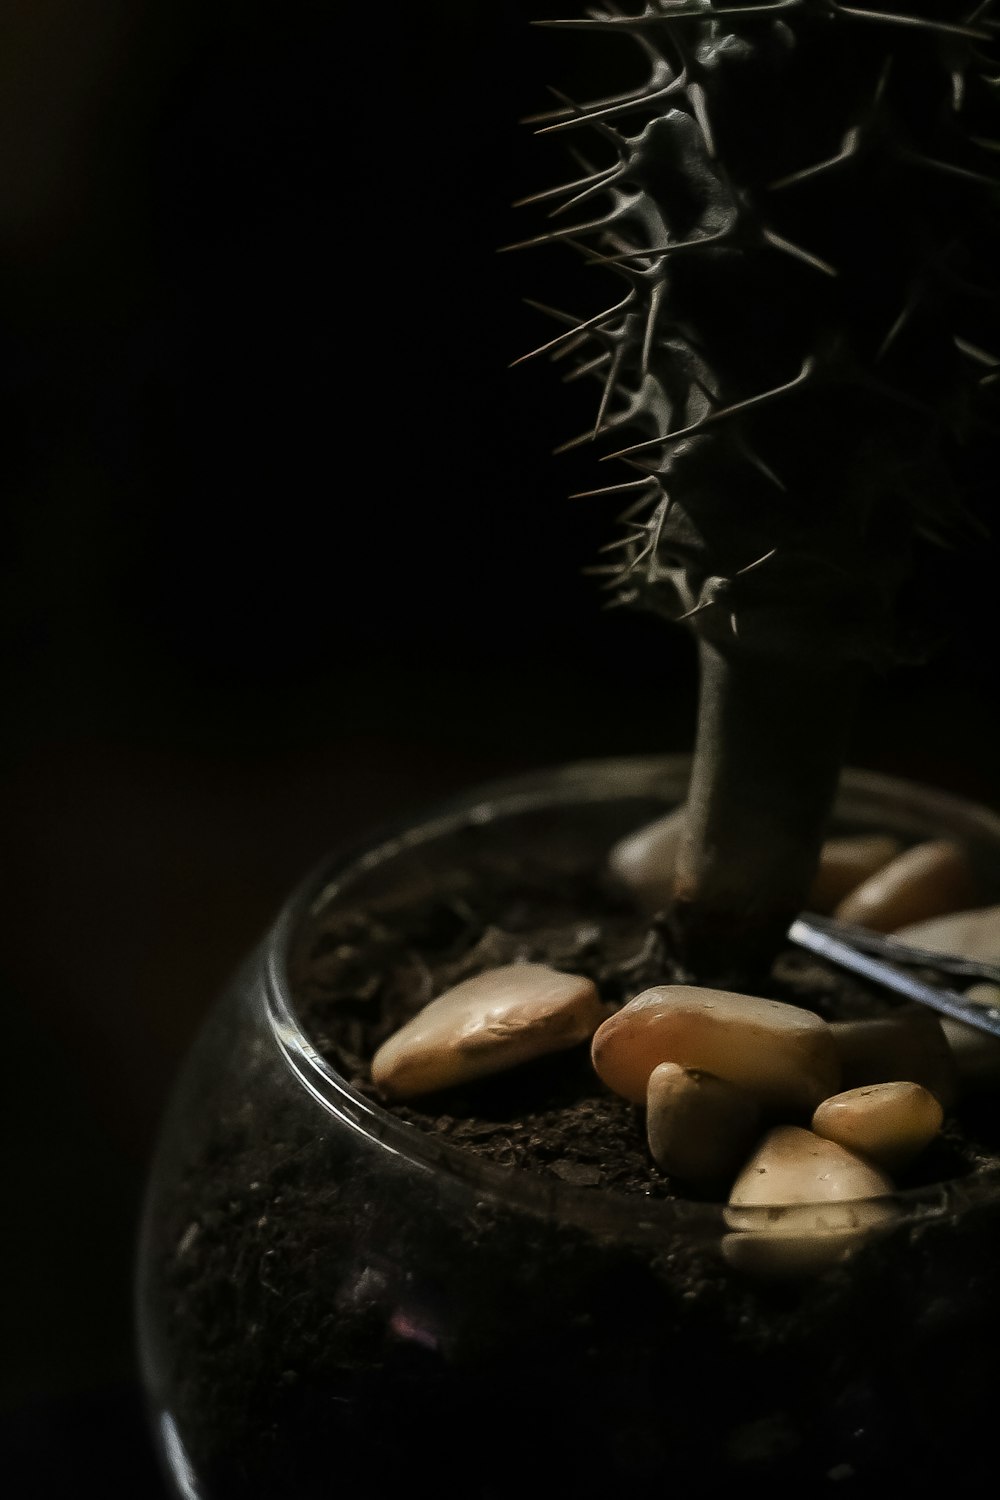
x=904 y=953
x=805 y=935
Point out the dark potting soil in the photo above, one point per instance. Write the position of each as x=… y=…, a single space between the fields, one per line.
x=364 y=975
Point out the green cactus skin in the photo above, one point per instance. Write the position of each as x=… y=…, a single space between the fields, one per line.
x=801 y=203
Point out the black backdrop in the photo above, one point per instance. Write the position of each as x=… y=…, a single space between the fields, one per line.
x=285 y=551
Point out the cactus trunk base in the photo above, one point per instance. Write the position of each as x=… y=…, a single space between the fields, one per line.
x=770 y=742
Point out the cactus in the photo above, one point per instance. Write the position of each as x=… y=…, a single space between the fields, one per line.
x=801 y=203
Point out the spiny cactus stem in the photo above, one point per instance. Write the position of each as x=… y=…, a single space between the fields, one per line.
x=801 y=204
x=769 y=744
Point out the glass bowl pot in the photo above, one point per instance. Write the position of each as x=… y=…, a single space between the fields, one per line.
x=330 y=1297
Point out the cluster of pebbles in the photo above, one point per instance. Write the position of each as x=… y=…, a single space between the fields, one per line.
x=796 y=1121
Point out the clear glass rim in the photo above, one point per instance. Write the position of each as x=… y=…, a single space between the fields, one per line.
x=596 y=1209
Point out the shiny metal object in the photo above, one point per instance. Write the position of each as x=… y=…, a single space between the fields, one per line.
x=820 y=936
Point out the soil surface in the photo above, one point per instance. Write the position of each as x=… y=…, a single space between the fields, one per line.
x=325 y=1319
x=363 y=976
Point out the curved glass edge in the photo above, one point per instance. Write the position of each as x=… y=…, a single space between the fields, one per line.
x=580 y=782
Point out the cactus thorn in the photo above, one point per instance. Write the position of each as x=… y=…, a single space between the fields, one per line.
x=900 y=323
x=923 y=23
x=787 y=247
x=656 y=297
x=579 y=328
x=610 y=489
x=981 y=356
x=589 y=436
x=553 y=235
x=563 y=187
x=699 y=105
x=637 y=507
x=849 y=148
x=595 y=121
x=601 y=187
x=932 y=164
x=650 y=252
x=623 y=541
x=609 y=385
x=588 y=368
x=608 y=109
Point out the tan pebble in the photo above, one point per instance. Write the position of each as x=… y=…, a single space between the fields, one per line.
x=845 y=863
x=910 y=1043
x=889 y=1123
x=782 y=1055
x=699 y=1127
x=967 y=934
x=645 y=860
x=793 y=1167
x=976 y=1054
x=984 y=994
x=494 y=1021
x=802 y=1203
x=926 y=881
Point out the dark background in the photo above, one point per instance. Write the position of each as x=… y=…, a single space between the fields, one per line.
x=285 y=553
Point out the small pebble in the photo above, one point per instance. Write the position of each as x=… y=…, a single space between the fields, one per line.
x=783 y=1056
x=699 y=1127
x=795 y=1168
x=910 y=1044
x=802 y=1203
x=487 y=1024
x=928 y=880
x=889 y=1123
x=845 y=863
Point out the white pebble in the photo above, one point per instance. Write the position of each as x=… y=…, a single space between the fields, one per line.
x=802 y=1203
x=699 y=1127
x=487 y=1024
x=796 y=1168
x=783 y=1056
x=889 y=1123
